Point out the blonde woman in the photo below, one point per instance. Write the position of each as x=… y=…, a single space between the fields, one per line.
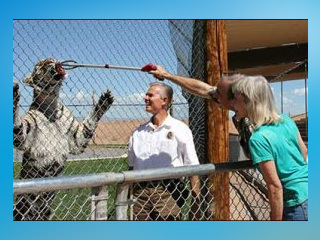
x=276 y=147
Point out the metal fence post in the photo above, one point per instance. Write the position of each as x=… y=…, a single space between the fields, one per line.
x=122 y=202
x=99 y=203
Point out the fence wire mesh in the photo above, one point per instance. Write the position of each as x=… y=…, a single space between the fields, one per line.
x=177 y=45
x=247 y=200
x=150 y=201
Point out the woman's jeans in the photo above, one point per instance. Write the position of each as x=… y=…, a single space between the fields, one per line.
x=296 y=213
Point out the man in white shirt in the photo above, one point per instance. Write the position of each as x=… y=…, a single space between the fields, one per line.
x=162 y=142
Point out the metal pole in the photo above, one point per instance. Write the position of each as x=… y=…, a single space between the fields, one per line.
x=65 y=182
x=306 y=95
x=96 y=180
x=103 y=66
x=281 y=96
x=71 y=64
x=122 y=202
x=99 y=203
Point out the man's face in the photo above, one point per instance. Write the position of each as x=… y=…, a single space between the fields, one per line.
x=240 y=106
x=153 y=100
x=222 y=94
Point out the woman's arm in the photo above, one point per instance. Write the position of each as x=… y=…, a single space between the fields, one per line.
x=304 y=149
x=275 y=191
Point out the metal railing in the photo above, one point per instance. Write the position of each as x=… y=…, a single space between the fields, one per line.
x=99 y=184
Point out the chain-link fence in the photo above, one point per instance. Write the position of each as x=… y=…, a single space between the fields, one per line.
x=143 y=196
x=177 y=45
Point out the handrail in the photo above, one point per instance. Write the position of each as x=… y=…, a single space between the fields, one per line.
x=101 y=179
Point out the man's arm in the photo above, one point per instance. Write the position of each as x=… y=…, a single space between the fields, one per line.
x=191 y=85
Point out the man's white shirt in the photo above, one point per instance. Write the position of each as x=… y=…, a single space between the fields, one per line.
x=169 y=145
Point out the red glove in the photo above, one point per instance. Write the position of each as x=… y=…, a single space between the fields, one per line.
x=149 y=67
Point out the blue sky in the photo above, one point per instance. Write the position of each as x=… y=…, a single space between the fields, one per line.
x=128 y=43
x=293 y=96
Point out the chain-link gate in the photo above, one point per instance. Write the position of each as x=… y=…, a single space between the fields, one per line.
x=173 y=44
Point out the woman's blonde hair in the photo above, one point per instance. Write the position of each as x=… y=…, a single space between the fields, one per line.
x=260 y=103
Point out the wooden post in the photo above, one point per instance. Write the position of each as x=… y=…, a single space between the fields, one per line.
x=217 y=119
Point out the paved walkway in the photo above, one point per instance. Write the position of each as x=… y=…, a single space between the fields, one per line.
x=247 y=202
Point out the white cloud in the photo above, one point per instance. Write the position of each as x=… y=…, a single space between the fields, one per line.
x=131 y=99
x=287 y=101
x=80 y=97
x=299 y=91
